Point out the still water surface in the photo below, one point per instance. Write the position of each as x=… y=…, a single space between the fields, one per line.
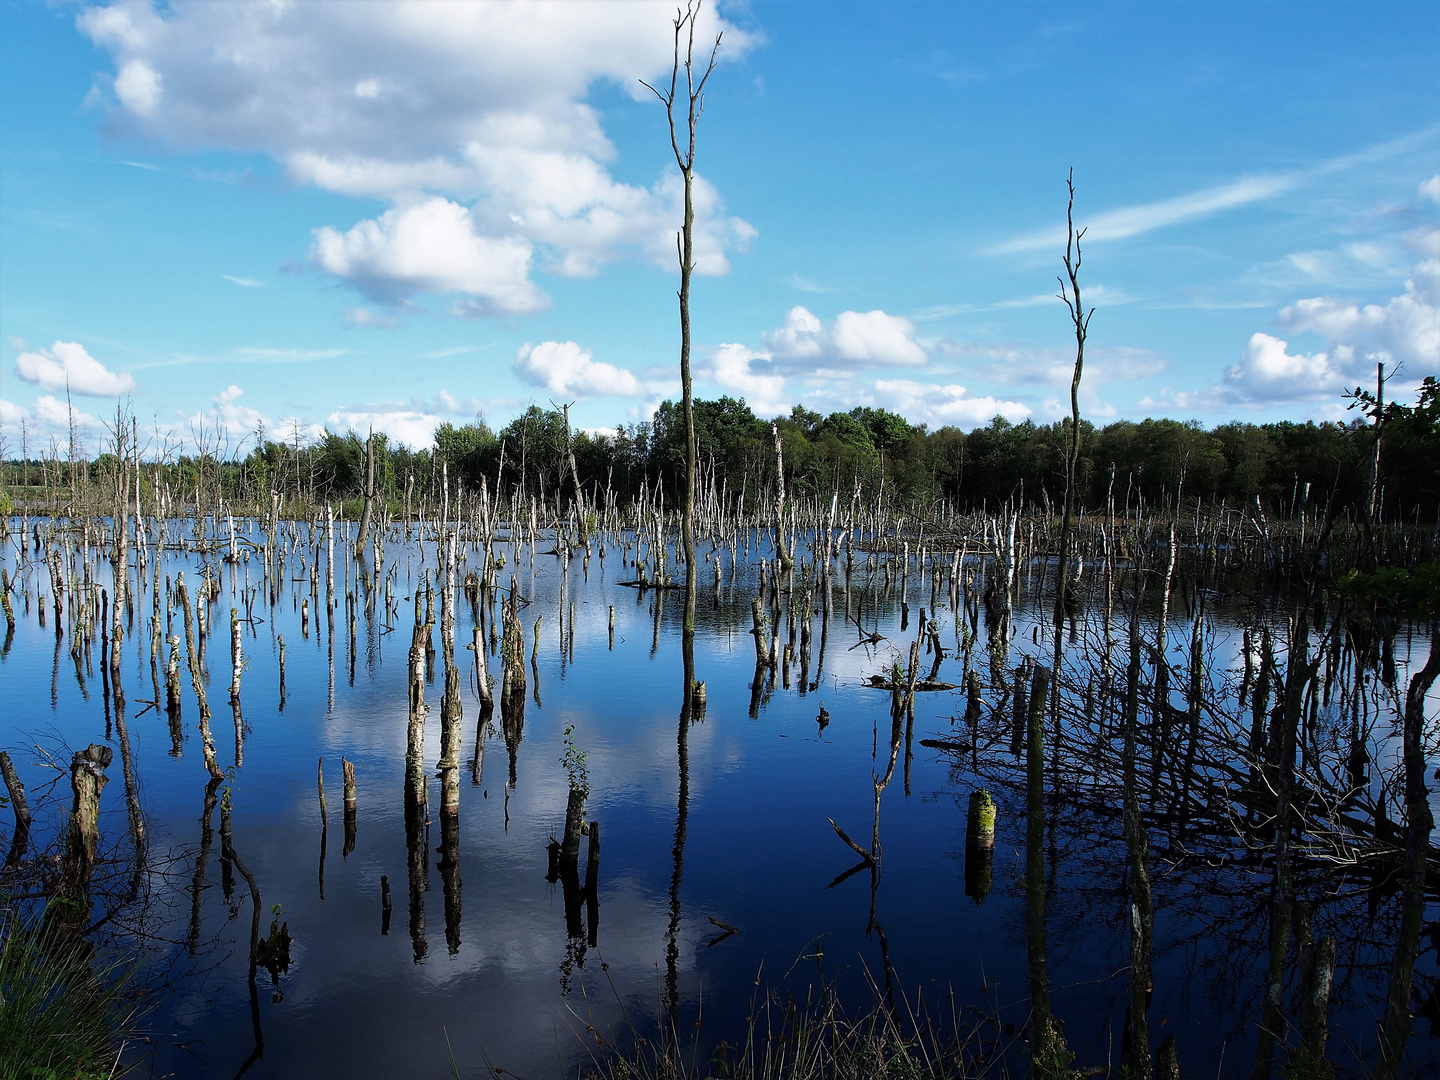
x=725 y=822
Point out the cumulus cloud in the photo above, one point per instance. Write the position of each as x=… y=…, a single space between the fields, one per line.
x=66 y=363
x=743 y=372
x=413 y=427
x=1404 y=331
x=478 y=106
x=432 y=247
x=413 y=422
x=564 y=368
x=11 y=414
x=1430 y=189
x=1269 y=372
x=1407 y=329
x=932 y=403
x=227 y=421
x=854 y=340
x=46 y=424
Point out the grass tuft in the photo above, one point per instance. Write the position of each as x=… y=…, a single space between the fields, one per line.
x=65 y=1012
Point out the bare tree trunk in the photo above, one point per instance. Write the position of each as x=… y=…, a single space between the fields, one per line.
x=684 y=243
x=368 y=512
x=1081 y=318
x=782 y=546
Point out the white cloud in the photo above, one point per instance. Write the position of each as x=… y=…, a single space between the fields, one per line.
x=733 y=368
x=564 y=368
x=1145 y=217
x=139 y=88
x=1269 y=372
x=414 y=428
x=249 y=283
x=363 y=316
x=11 y=416
x=1404 y=332
x=432 y=247
x=413 y=422
x=54 y=418
x=481 y=107
x=67 y=363
x=1015 y=364
x=937 y=405
x=1430 y=189
x=854 y=340
x=227 y=423
x=1423 y=241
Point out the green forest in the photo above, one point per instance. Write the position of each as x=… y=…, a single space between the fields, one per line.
x=878 y=453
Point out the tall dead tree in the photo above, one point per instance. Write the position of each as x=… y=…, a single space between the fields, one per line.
x=692 y=103
x=365 y=515
x=1070 y=293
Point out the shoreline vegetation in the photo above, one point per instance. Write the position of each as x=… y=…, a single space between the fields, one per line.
x=870 y=454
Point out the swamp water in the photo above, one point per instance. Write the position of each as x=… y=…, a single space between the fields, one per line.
x=718 y=877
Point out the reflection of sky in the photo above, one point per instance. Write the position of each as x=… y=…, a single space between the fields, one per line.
x=759 y=849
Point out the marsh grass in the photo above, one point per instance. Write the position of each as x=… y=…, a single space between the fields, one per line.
x=819 y=1040
x=66 y=1010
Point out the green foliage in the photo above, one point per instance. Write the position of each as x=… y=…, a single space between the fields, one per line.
x=1396 y=591
x=573 y=759
x=1418 y=420
x=1286 y=466
x=63 y=1012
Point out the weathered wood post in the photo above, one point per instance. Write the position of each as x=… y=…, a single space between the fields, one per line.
x=236 y=660
x=979 y=846
x=69 y=910
x=20 y=840
x=347 y=769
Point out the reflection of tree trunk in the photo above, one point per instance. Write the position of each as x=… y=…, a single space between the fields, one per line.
x=197 y=886
x=512 y=723
x=757 y=690
x=227 y=850
x=592 y=885
x=1047 y=1048
x=682 y=813
x=418 y=866
x=1136 y=1042
x=1282 y=901
x=450 y=875
x=1396 y=1030
x=979 y=846
x=477 y=763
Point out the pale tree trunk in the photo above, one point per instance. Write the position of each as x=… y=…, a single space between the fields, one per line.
x=693 y=105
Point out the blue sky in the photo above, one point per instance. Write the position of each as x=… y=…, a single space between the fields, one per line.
x=389 y=215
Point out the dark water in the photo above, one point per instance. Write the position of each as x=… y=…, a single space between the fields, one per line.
x=723 y=820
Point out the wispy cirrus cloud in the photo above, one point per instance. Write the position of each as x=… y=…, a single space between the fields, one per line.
x=1146 y=217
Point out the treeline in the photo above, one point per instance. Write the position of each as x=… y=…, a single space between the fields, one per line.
x=877 y=452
